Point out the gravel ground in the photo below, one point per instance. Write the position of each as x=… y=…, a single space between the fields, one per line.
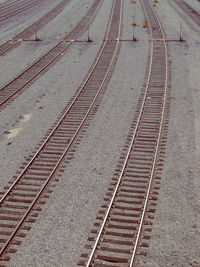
x=64 y=218
x=59 y=235
x=41 y=99
x=175 y=237
x=194 y=4
x=25 y=54
x=14 y=25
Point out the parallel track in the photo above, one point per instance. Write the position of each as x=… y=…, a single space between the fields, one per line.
x=12 y=10
x=14 y=87
x=5 y=6
x=193 y=14
x=17 y=40
x=19 y=204
x=123 y=225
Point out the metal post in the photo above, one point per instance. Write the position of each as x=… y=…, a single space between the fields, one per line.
x=36 y=38
x=89 y=40
x=180 y=37
x=134 y=39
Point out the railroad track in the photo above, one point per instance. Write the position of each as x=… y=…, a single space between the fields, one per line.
x=193 y=14
x=11 y=90
x=9 y=11
x=21 y=201
x=4 y=6
x=28 y=32
x=120 y=236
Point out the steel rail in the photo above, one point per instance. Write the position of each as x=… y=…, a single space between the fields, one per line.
x=52 y=132
x=11 y=4
x=17 y=39
x=100 y=232
x=190 y=11
x=68 y=146
x=158 y=139
x=120 y=177
x=17 y=11
x=47 y=53
x=127 y=158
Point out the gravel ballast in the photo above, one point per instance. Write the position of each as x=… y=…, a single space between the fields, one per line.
x=58 y=236
x=19 y=22
x=175 y=237
x=25 y=54
x=68 y=217
x=40 y=101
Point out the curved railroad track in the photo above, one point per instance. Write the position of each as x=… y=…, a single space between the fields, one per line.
x=17 y=40
x=11 y=90
x=123 y=226
x=22 y=200
x=193 y=14
x=4 y=6
x=9 y=11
